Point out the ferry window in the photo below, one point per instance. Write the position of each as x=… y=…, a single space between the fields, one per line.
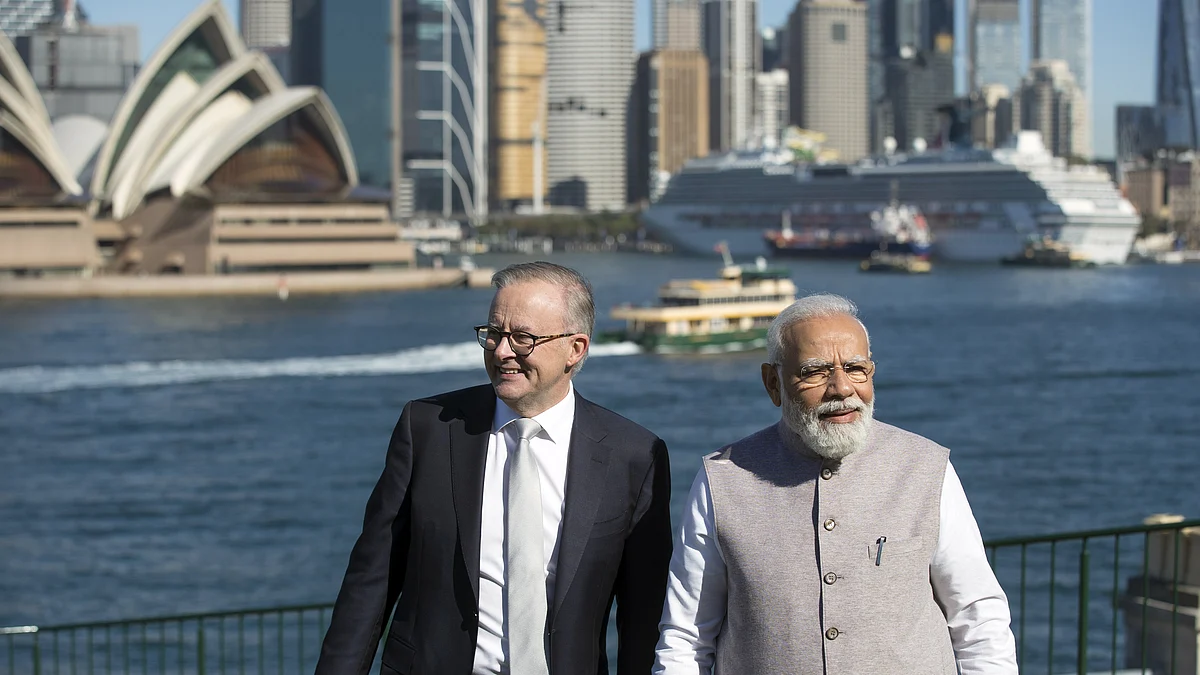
x=839 y=32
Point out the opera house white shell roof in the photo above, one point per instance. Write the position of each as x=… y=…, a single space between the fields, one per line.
x=204 y=116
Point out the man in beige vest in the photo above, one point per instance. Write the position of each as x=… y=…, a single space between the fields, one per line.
x=830 y=543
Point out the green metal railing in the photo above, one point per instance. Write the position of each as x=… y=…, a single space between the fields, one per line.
x=1069 y=592
x=1065 y=590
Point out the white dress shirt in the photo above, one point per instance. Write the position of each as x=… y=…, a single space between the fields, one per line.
x=976 y=609
x=549 y=448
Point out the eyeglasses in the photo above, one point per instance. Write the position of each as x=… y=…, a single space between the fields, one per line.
x=522 y=343
x=818 y=375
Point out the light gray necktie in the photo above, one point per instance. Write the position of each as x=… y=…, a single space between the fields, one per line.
x=526 y=559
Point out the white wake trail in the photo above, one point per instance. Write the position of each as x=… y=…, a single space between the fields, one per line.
x=431 y=359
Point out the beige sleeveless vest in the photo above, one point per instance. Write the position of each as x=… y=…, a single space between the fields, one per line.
x=809 y=591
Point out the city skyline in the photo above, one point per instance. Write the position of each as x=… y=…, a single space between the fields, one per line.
x=1128 y=31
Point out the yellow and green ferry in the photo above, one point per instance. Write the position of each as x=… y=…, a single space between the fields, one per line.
x=727 y=314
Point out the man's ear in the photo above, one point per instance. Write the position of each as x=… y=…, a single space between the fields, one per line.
x=770 y=379
x=579 y=347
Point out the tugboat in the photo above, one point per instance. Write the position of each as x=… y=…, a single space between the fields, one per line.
x=726 y=314
x=882 y=261
x=1046 y=252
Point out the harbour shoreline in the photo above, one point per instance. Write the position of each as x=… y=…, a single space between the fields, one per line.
x=283 y=285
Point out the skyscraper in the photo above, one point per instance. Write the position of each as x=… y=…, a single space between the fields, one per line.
x=266 y=23
x=670 y=124
x=1064 y=33
x=774 y=49
x=518 y=103
x=911 y=72
x=771 y=113
x=730 y=41
x=1178 y=90
x=343 y=47
x=827 y=41
x=1139 y=133
x=677 y=24
x=589 y=74
x=996 y=44
x=1053 y=104
x=919 y=84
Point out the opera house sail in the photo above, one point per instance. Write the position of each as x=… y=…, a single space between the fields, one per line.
x=213 y=165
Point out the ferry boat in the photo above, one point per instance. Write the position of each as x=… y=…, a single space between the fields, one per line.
x=979 y=204
x=726 y=314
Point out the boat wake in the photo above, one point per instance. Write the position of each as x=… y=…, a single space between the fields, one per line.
x=430 y=359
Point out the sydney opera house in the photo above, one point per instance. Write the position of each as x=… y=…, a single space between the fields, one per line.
x=210 y=165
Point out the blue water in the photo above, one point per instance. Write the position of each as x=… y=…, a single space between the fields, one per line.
x=166 y=456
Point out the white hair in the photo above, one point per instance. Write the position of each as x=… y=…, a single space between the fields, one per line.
x=810 y=307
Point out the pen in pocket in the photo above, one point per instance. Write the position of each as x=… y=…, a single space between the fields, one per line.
x=879 y=550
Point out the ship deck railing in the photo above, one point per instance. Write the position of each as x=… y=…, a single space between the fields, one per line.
x=1092 y=601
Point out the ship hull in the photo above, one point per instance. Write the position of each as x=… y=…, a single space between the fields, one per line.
x=857 y=250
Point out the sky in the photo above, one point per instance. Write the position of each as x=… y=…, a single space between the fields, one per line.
x=1124 y=34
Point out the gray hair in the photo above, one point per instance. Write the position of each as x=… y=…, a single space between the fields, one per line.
x=818 y=305
x=581 y=304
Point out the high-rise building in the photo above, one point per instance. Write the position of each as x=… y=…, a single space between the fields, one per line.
x=81 y=69
x=677 y=25
x=996 y=43
x=827 y=44
x=774 y=49
x=590 y=68
x=918 y=85
x=730 y=40
x=343 y=47
x=1178 y=87
x=1053 y=104
x=518 y=163
x=670 y=118
x=1064 y=33
x=992 y=116
x=1062 y=30
x=266 y=23
x=1139 y=132
x=19 y=17
x=771 y=107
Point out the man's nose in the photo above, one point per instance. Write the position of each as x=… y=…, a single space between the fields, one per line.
x=839 y=385
x=504 y=348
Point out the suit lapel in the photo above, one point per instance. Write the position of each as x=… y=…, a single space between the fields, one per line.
x=586 y=467
x=468 y=455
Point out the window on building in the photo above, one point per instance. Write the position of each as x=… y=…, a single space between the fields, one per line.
x=839 y=32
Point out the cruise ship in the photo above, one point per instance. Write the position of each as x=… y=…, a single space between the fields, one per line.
x=981 y=205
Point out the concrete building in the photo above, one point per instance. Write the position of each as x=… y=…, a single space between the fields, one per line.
x=518 y=162
x=343 y=47
x=1053 y=104
x=670 y=124
x=1178 y=67
x=828 y=51
x=1063 y=32
x=771 y=114
x=918 y=84
x=906 y=40
x=993 y=121
x=19 y=17
x=590 y=64
x=730 y=41
x=1183 y=198
x=266 y=23
x=677 y=25
x=774 y=49
x=81 y=69
x=997 y=39
x=1146 y=188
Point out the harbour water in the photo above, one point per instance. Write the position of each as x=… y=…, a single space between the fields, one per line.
x=168 y=456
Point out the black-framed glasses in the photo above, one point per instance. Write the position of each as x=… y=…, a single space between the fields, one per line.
x=522 y=343
x=819 y=374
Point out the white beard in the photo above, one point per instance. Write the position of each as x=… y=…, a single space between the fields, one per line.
x=827 y=439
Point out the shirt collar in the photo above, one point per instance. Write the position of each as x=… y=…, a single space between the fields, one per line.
x=556 y=422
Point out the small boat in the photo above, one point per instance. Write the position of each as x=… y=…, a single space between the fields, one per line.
x=726 y=314
x=907 y=263
x=1046 y=252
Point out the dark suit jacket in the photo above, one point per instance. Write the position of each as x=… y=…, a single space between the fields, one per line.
x=419 y=548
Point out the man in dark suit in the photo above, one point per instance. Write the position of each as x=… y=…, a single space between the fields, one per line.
x=509 y=517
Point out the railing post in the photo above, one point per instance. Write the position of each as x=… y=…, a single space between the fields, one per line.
x=200 y=646
x=1084 y=559
x=37 y=655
